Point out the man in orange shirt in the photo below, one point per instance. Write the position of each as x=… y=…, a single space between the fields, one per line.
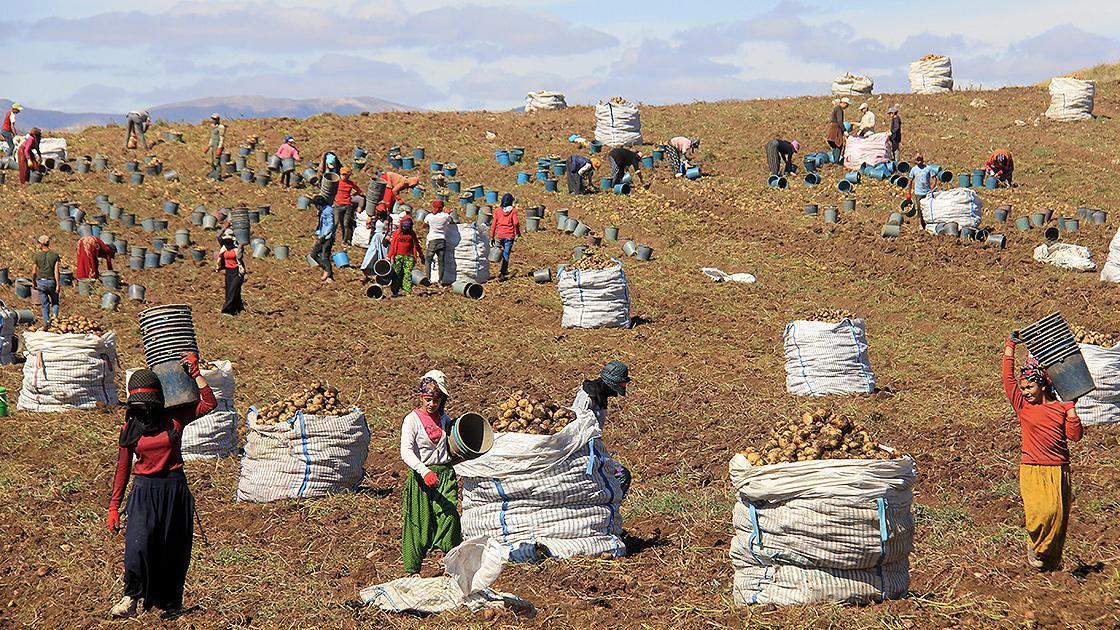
x=395 y=184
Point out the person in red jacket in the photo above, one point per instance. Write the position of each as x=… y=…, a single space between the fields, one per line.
x=395 y=184
x=160 y=525
x=346 y=201
x=404 y=251
x=8 y=130
x=1048 y=426
x=90 y=250
x=503 y=230
x=1001 y=166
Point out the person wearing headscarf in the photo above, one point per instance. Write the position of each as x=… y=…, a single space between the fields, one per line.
x=622 y=160
x=834 y=129
x=395 y=185
x=324 y=238
x=378 y=248
x=231 y=262
x=216 y=147
x=778 y=150
x=347 y=199
x=895 y=135
x=287 y=151
x=1001 y=166
x=436 y=241
x=160 y=508
x=29 y=157
x=679 y=152
x=404 y=251
x=593 y=396
x=1048 y=426
x=581 y=174
x=866 y=125
x=504 y=229
x=90 y=250
x=136 y=123
x=431 y=514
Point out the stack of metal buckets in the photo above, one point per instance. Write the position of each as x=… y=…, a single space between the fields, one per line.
x=239 y=221
x=168 y=334
x=1052 y=344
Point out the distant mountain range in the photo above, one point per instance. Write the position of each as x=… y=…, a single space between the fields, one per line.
x=196 y=110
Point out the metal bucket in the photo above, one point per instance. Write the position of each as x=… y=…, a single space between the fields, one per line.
x=996 y=240
x=198 y=254
x=1023 y=224
x=831 y=215
x=890 y=231
x=136 y=263
x=109 y=301
x=382 y=268
x=810 y=210
x=110 y=280
x=182 y=238
x=949 y=229
x=610 y=234
x=375 y=292
x=470 y=436
x=171 y=207
x=581 y=229
x=151 y=260
x=999 y=215
x=844 y=186
x=169 y=254
x=629 y=247
x=85 y=286
x=1038 y=219
x=420 y=278
x=1072 y=225
x=1100 y=217
x=495 y=254
x=849 y=205
x=136 y=179
x=281 y=252
x=260 y=251
x=23 y=316
x=1051 y=234
x=23 y=287
x=644 y=252
x=468 y=289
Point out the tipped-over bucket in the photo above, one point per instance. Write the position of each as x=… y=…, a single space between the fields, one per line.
x=471 y=436
x=844 y=186
x=375 y=292
x=468 y=289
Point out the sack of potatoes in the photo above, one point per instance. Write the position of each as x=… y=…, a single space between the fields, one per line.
x=318 y=400
x=71 y=324
x=521 y=413
x=593 y=259
x=834 y=315
x=1092 y=337
x=820 y=434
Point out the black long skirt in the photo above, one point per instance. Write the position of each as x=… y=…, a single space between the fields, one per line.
x=157 y=539
x=234 y=304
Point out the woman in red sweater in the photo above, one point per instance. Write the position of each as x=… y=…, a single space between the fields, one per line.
x=1048 y=425
x=404 y=251
x=160 y=509
x=503 y=230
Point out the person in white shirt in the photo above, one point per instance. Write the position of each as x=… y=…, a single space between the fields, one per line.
x=431 y=513
x=866 y=125
x=8 y=131
x=136 y=124
x=437 y=222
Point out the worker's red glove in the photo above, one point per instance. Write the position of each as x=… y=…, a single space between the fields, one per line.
x=431 y=480
x=113 y=521
x=190 y=364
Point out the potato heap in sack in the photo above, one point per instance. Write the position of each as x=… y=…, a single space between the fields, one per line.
x=71 y=324
x=820 y=434
x=320 y=400
x=521 y=413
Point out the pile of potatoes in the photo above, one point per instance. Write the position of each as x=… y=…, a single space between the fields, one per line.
x=71 y=324
x=820 y=434
x=1092 y=337
x=525 y=414
x=829 y=315
x=318 y=400
x=593 y=259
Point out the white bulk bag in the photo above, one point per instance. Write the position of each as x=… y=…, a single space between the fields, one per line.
x=956 y=205
x=68 y=371
x=822 y=531
x=594 y=298
x=8 y=319
x=1066 y=256
x=1102 y=405
x=465 y=255
x=213 y=435
x=1070 y=99
x=931 y=74
x=872 y=150
x=618 y=124
x=1111 y=270
x=558 y=491
x=544 y=100
x=362 y=232
x=307 y=456
x=828 y=358
x=852 y=84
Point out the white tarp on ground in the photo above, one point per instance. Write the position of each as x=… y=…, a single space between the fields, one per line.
x=594 y=298
x=556 y=491
x=1066 y=256
x=68 y=371
x=304 y=457
x=872 y=150
x=618 y=124
x=543 y=100
x=1070 y=99
x=1102 y=405
x=48 y=147
x=852 y=84
x=828 y=358
x=822 y=531
x=470 y=570
x=8 y=319
x=956 y=205
x=466 y=254
x=1111 y=270
x=931 y=76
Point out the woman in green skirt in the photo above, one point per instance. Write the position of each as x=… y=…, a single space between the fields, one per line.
x=431 y=513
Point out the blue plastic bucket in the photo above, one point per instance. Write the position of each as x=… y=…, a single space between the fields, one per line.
x=515 y=154
x=693 y=172
x=503 y=157
x=964 y=180
x=559 y=168
x=977 y=181
x=596 y=146
x=466 y=198
x=450 y=169
x=844 y=186
x=945 y=176
x=658 y=155
x=491 y=196
x=852 y=177
x=991 y=183
x=647 y=161
x=454 y=185
x=417 y=192
x=523 y=178
x=628 y=179
x=359 y=153
x=550 y=185
x=622 y=189
x=542 y=175
x=604 y=183
x=436 y=167
x=418 y=153
x=395 y=162
x=407 y=163
x=341 y=259
x=776 y=181
x=812 y=179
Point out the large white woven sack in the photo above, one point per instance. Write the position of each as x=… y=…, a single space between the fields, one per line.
x=1111 y=270
x=872 y=150
x=822 y=530
x=852 y=84
x=931 y=76
x=68 y=371
x=956 y=205
x=618 y=124
x=362 y=232
x=466 y=254
x=1070 y=99
x=594 y=298
x=306 y=456
x=1102 y=405
x=544 y=100
x=558 y=491
x=213 y=435
x=828 y=358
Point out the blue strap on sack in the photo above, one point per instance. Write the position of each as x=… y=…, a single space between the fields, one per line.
x=505 y=506
x=881 y=504
x=298 y=418
x=859 y=356
x=791 y=331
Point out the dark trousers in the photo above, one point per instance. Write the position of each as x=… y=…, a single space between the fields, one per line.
x=286 y=178
x=344 y=221
x=157 y=539
x=135 y=127
x=434 y=253
x=321 y=253
x=9 y=142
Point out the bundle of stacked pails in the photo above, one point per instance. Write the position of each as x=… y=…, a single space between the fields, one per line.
x=168 y=334
x=1053 y=345
x=240 y=223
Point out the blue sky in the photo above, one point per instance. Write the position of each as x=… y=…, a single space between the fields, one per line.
x=116 y=55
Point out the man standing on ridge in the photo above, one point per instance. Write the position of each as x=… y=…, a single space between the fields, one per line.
x=895 y=136
x=8 y=129
x=216 y=146
x=138 y=123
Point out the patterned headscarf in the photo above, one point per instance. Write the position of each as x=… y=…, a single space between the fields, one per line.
x=428 y=387
x=1033 y=372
